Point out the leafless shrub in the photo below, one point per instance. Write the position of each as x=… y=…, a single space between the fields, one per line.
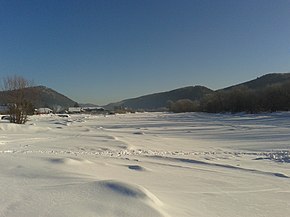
x=18 y=105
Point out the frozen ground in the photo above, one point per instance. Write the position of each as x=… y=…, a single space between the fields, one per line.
x=146 y=165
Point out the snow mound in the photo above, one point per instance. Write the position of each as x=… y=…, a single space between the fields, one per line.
x=16 y=128
x=123 y=189
x=136 y=167
x=127 y=191
x=106 y=198
x=10 y=127
x=68 y=161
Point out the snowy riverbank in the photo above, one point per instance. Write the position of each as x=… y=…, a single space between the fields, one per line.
x=148 y=164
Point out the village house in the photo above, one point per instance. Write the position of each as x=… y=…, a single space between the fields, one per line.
x=96 y=109
x=75 y=110
x=91 y=110
x=43 y=111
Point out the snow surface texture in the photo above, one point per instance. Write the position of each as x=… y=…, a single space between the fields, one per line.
x=146 y=165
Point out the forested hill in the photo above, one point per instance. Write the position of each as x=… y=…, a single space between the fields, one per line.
x=263 y=81
x=268 y=93
x=160 y=100
x=41 y=96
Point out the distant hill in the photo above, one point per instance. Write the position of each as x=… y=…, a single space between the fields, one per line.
x=268 y=93
x=264 y=81
x=159 y=100
x=228 y=99
x=41 y=96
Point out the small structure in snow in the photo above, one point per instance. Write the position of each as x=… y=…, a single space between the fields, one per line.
x=43 y=111
x=73 y=110
x=88 y=110
x=96 y=109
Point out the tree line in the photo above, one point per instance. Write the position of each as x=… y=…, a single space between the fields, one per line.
x=239 y=99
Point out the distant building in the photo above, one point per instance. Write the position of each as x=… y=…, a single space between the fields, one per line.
x=95 y=109
x=91 y=110
x=44 y=111
x=75 y=110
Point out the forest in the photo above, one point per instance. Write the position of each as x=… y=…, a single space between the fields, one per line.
x=241 y=98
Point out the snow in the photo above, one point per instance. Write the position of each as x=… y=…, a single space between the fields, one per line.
x=146 y=164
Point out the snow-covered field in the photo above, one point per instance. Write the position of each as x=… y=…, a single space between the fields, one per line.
x=146 y=165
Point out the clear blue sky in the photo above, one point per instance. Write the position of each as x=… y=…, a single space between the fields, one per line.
x=103 y=51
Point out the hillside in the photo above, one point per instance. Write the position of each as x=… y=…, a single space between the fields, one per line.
x=160 y=100
x=269 y=92
x=264 y=81
x=41 y=96
x=266 y=93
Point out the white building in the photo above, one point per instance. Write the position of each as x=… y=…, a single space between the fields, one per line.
x=93 y=109
x=43 y=111
x=75 y=110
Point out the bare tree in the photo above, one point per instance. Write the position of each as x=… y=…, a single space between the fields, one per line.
x=18 y=105
x=184 y=105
